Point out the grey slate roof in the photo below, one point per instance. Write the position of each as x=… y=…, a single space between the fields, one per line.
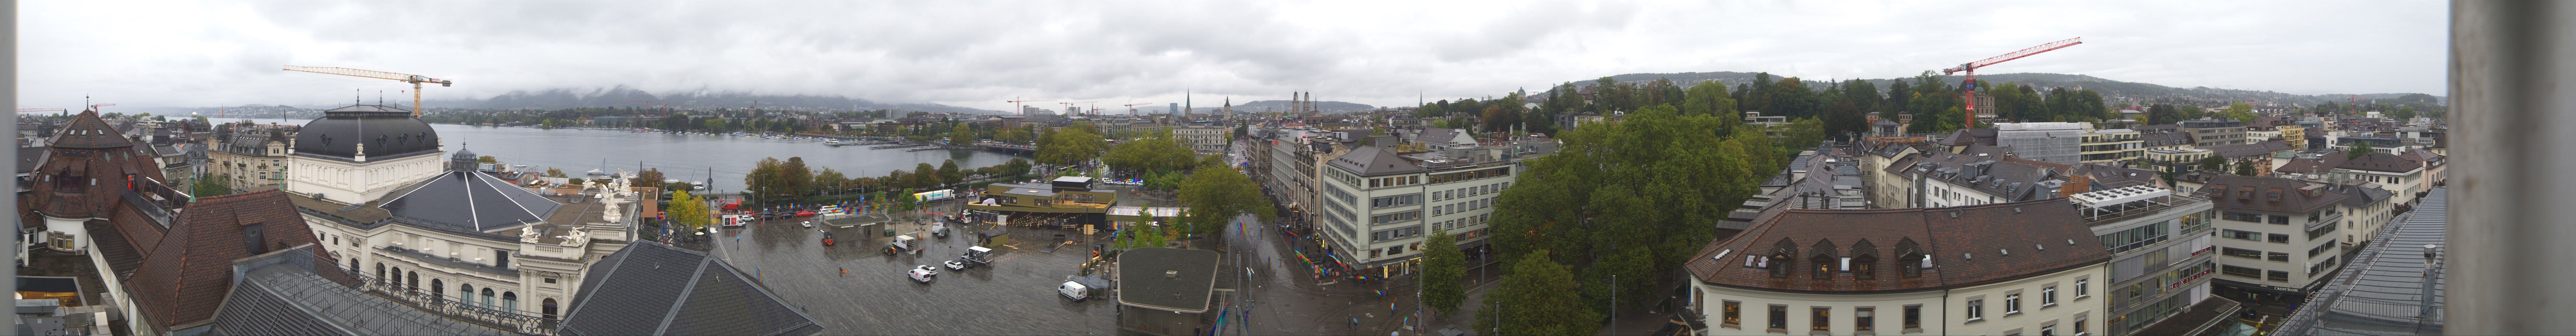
x=468 y=201
x=664 y=290
x=1371 y=161
x=387 y=131
x=283 y=296
x=2385 y=290
x=2259 y=149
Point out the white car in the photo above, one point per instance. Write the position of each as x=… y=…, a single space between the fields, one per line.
x=809 y=224
x=1073 y=290
x=922 y=273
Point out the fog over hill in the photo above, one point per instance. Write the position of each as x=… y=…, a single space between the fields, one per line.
x=2117 y=91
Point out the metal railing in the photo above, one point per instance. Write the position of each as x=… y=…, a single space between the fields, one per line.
x=459 y=308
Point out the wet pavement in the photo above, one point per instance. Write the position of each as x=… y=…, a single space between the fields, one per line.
x=1287 y=300
x=1015 y=295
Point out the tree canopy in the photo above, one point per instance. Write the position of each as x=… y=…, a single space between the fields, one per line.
x=1442 y=271
x=1632 y=197
x=1537 y=298
x=1215 y=194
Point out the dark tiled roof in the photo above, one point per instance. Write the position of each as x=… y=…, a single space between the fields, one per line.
x=1986 y=151
x=2360 y=197
x=2323 y=163
x=1371 y=161
x=31 y=157
x=1143 y=279
x=113 y=246
x=1972 y=136
x=2380 y=162
x=387 y=132
x=2259 y=149
x=2164 y=139
x=185 y=279
x=88 y=131
x=2157 y=128
x=283 y=293
x=1967 y=244
x=2012 y=182
x=2254 y=194
x=2106 y=177
x=468 y=201
x=663 y=290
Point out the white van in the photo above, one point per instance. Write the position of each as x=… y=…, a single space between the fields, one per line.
x=1074 y=290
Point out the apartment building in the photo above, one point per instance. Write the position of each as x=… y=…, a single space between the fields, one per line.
x=2112 y=146
x=1379 y=204
x=251 y=157
x=2161 y=252
x=2018 y=268
x=2214 y=132
x=2277 y=236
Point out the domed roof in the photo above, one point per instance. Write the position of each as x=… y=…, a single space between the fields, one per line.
x=388 y=132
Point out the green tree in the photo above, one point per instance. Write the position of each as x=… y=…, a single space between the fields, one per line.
x=2213 y=163
x=1017 y=167
x=648 y=177
x=961 y=134
x=1070 y=146
x=831 y=180
x=948 y=172
x=211 y=186
x=487 y=159
x=1633 y=197
x=2405 y=112
x=554 y=172
x=1802 y=133
x=689 y=210
x=2245 y=167
x=1538 y=297
x=1214 y=195
x=925 y=176
x=2359 y=150
x=1443 y=272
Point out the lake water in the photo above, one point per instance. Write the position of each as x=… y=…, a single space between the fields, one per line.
x=683 y=157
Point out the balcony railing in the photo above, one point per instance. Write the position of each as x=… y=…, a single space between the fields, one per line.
x=459 y=308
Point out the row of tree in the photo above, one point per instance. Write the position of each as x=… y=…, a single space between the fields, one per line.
x=1630 y=198
x=774 y=179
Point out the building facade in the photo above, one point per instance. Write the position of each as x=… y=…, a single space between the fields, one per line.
x=2034 y=269
x=2112 y=146
x=2207 y=133
x=1379 y=206
x=1205 y=138
x=2276 y=236
x=383 y=215
x=251 y=157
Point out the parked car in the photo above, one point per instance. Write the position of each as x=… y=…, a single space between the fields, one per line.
x=1073 y=290
x=961 y=264
x=922 y=273
x=806 y=213
x=809 y=224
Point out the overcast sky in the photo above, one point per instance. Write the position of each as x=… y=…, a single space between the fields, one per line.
x=978 y=54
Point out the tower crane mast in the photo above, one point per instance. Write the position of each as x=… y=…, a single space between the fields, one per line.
x=1131 y=108
x=1017 y=107
x=1970 y=84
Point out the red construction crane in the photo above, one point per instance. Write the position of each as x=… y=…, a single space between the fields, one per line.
x=1016 y=107
x=1131 y=108
x=1970 y=84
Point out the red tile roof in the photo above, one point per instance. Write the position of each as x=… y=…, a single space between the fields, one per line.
x=1968 y=246
x=185 y=279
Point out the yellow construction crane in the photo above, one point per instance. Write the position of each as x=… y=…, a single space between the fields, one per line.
x=415 y=80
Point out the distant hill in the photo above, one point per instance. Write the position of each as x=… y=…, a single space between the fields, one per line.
x=2117 y=91
x=616 y=96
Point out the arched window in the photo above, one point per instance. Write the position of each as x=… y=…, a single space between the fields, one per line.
x=353 y=266
x=1779 y=261
x=380 y=272
x=465 y=294
x=510 y=301
x=412 y=281
x=549 y=304
x=487 y=297
x=1864 y=260
x=438 y=290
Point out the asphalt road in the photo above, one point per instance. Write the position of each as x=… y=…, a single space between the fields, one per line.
x=1013 y=296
